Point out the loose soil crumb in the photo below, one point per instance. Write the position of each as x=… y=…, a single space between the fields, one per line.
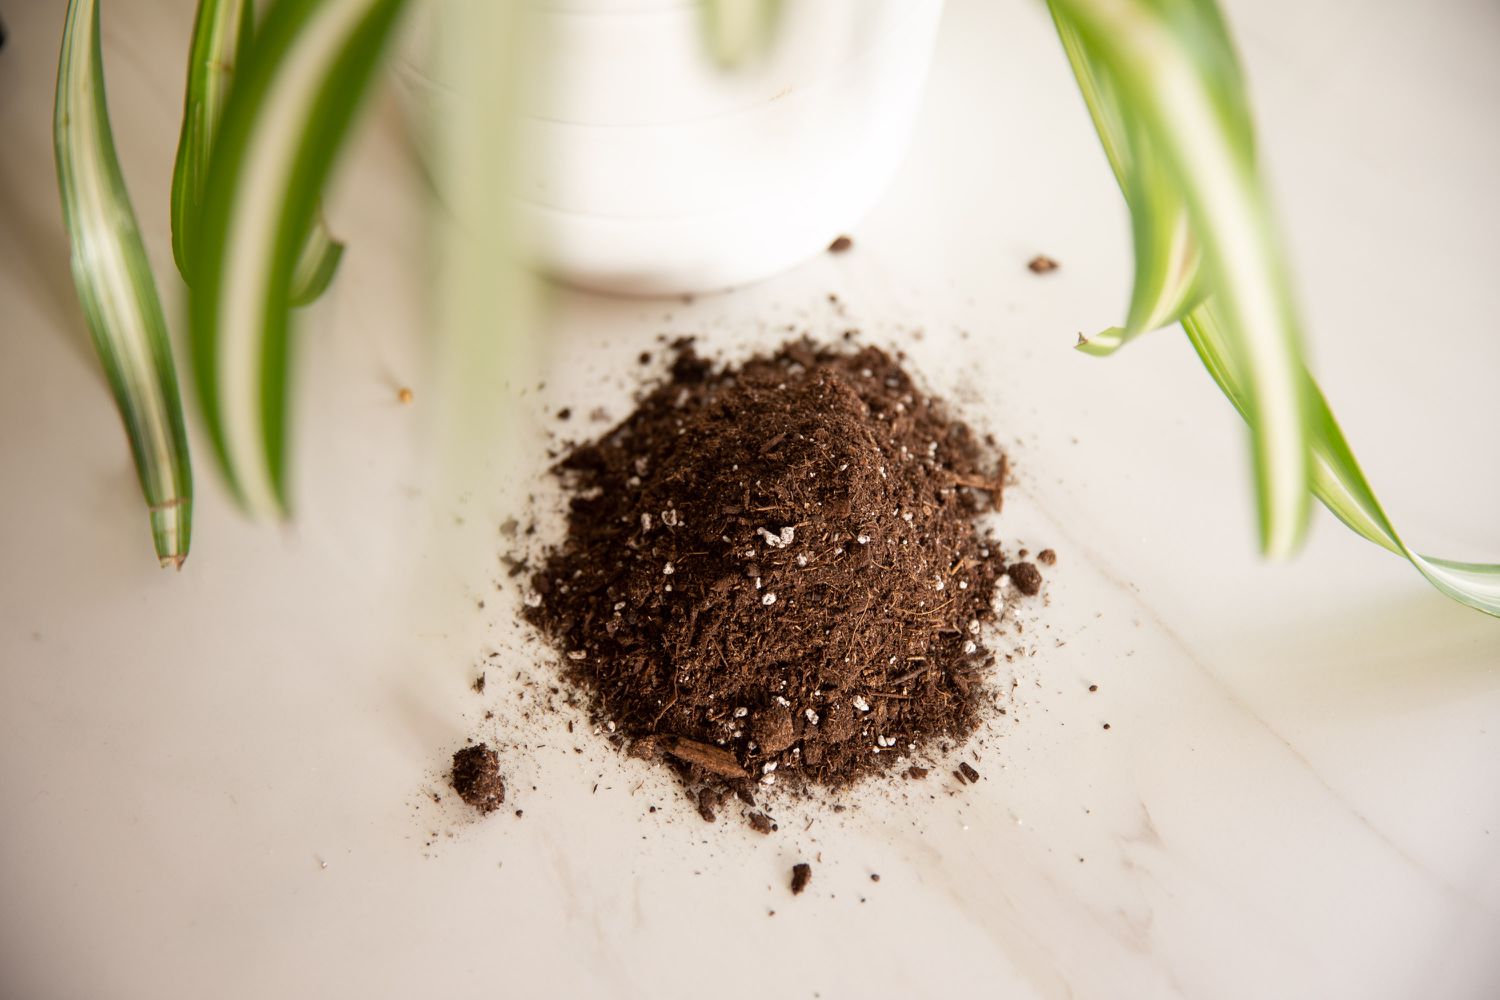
x=760 y=822
x=969 y=772
x=1042 y=264
x=1026 y=577
x=840 y=244
x=1046 y=557
x=773 y=572
x=801 y=875
x=476 y=777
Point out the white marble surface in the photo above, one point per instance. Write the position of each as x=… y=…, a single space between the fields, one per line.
x=1298 y=795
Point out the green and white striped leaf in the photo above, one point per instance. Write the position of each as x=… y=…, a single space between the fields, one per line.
x=115 y=285
x=294 y=98
x=318 y=264
x=1166 y=91
x=1166 y=255
x=222 y=35
x=1337 y=479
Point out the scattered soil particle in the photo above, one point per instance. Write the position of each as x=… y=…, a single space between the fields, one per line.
x=404 y=396
x=565 y=413
x=841 y=244
x=476 y=777
x=1093 y=687
x=478 y=684
x=1046 y=557
x=760 y=822
x=969 y=772
x=1106 y=725
x=1026 y=577
x=801 y=875
x=916 y=773
x=1042 y=264
x=708 y=800
x=644 y=358
x=874 y=877
x=773 y=571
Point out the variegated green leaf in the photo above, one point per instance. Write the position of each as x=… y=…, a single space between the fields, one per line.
x=1337 y=479
x=222 y=35
x=288 y=113
x=1166 y=90
x=113 y=277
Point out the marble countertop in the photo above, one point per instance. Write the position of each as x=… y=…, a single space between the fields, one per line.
x=217 y=783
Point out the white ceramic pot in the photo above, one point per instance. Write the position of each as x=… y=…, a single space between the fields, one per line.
x=651 y=171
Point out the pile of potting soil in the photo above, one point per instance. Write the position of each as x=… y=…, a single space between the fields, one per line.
x=773 y=572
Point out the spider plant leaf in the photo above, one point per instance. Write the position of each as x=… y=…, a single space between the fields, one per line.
x=1166 y=256
x=316 y=267
x=1186 y=145
x=1337 y=479
x=115 y=285
x=221 y=34
x=738 y=30
x=295 y=96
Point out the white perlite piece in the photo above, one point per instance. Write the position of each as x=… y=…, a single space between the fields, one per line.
x=778 y=541
x=768 y=767
x=937 y=583
x=741 y=712
x=783 y=702
x=970 y=647
x=768 y=779
x=668 y=569
x=533 y=600
x=670 y=517
x=577 y=654
x=645 y=521
x=768 y=599
x=811 y=716
x=801 y=559
x=863 y=539
x=974 y=626
x=861 y=704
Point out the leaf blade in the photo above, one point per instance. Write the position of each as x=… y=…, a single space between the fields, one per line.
x=1189 y=138
x=221 y=32
x=115 y=286
x=1338 y=481
x=285 y=121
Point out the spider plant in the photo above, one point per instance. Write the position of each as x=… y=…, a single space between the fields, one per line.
x=304 y=74
x=268 y=107
x=1168 y=99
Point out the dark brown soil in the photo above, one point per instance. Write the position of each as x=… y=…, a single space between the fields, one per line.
x=1042 y=264
x=1026 y=577
x=773 y=572
x=801 y=875
x=476 y=777
x=840 y=245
